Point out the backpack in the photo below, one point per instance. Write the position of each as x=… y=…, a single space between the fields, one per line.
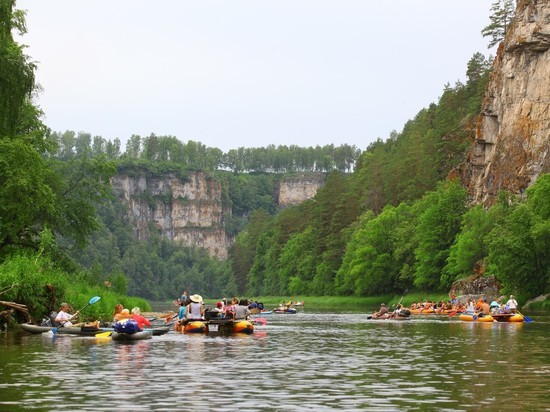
x=127 y=326
x=53 y=322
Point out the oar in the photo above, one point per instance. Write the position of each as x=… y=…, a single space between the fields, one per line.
x=91 y=302
x=103 y=335
x=525 y=318
x=260 y=321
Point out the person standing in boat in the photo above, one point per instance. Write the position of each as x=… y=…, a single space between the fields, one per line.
x=195 y=309
x=140 y=320
x=512 y=305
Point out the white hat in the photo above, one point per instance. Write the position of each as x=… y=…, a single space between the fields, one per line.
x=196 y=298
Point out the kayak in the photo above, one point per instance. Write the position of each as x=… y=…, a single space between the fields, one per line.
x=83 y=331
x=284 y=310
x=476 y=318
x=143 y=334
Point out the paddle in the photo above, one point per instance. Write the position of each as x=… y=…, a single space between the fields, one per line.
x=260 y=321
x=91 y=302
x=104 y=334
x=525 y=318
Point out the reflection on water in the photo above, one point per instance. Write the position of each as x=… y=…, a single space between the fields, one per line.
x=302 y=362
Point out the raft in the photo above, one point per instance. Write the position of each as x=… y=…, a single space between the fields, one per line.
x=193 y=326
x=143 y=334
x=509 y=317
x=476 y=318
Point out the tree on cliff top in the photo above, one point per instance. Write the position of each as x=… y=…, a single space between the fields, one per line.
x=501 y=17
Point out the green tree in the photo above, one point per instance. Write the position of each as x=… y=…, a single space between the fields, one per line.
x=437 y=228
x=502 y=14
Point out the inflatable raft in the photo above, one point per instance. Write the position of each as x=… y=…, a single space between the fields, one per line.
x=121 y=336
x=476 y=318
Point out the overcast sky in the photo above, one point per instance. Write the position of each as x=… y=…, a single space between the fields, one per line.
x=248 y=73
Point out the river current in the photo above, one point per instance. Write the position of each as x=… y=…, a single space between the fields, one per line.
x=297 y=362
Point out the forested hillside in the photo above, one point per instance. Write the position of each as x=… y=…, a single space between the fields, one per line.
x=387 y=219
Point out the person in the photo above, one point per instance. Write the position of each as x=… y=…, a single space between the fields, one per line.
x=484 y=308
x=230 y=309
x=470 y=308
x=195 y=309
x=512 y=304
x=184 y=298
x=383 y=312
x=453 y=298
x=121 y=314
x=181 y=312
x=64 y=317
x=399 y=312
x=140 y=320
x=495 y=306
x=241 y=310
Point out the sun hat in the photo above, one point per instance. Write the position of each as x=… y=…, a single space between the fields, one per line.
x=219 y=304
x=196 y=298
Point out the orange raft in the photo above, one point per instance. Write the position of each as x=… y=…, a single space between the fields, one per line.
x=194 y=326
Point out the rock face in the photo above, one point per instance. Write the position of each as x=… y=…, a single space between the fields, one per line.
x=188 y=211
x=512 y=143
x=475 y=287
x=191 y=211
x=295 y=189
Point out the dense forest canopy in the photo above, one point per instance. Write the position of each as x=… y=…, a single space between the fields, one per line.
x=387 y=219
x=196 y=156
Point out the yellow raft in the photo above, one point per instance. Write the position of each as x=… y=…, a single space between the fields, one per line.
x=475 y=318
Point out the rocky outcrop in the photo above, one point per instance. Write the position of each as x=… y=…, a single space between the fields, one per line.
x=189 y=212
x=512 y=143
x=297 y=188
x=475 y=287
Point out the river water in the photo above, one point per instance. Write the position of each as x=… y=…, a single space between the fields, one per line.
x=297 y=362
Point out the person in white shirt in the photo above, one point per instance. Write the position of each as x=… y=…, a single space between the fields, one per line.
x=64 y=317
x=512 y=304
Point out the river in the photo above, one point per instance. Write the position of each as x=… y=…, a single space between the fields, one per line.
x=298 y=362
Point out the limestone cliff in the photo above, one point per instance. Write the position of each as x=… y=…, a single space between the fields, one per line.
x=191 y=211
x=188 y=211
x=513 y=133
x=295 y=189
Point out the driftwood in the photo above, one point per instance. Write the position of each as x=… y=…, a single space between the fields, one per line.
x=16 y=306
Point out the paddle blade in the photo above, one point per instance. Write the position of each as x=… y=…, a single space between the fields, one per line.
x=104 y=335
x=94 y=300
x=527 y=319
x=454 y=312
x=260 y=321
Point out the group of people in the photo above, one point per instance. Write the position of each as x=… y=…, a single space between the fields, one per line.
x=481 y=306
x=192 y=308
x=384 y=313
x=121 y=315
